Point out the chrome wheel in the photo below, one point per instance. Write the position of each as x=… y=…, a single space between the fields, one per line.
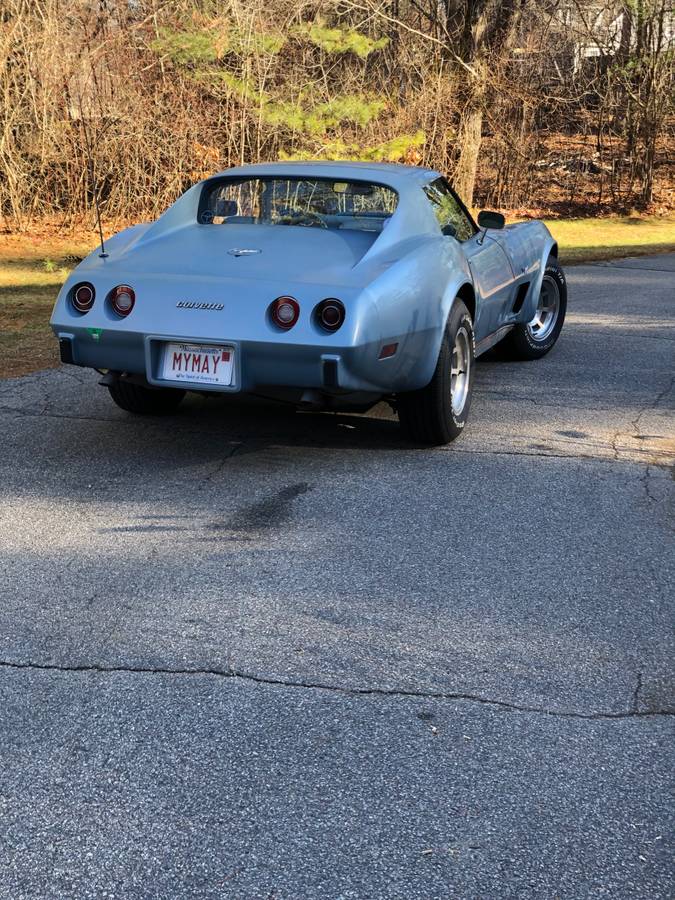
x=548 y=308
x=459 y=370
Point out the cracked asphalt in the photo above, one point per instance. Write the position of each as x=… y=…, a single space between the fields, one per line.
x=252 y=653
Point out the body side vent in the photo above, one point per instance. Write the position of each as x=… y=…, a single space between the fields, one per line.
x=520 y=296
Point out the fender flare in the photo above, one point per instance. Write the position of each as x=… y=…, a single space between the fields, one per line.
x=458 y=289
x=550 y=248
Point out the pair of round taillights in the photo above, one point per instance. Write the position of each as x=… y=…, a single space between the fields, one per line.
x=329 y=314
x=122 y=298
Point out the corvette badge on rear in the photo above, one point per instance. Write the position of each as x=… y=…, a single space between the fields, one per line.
x=198 y=363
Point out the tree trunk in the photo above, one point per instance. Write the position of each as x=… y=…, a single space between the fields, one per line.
x=481 y=30
x=470 y=139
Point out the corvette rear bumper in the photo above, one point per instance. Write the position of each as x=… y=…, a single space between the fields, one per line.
x=257 y=363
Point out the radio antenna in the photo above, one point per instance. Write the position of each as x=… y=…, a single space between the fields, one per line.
x=92 y=179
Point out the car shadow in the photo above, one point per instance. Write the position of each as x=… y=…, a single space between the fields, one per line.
x=255 y=421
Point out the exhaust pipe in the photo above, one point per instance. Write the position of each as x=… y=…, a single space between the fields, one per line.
x=311 y=399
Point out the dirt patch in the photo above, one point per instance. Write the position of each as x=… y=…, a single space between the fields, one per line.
x=27 y=343
x=32 y=269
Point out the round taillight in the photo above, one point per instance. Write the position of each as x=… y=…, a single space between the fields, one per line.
x=123 y=299
x=83 y=296
x=284 y=312
x=330 y=314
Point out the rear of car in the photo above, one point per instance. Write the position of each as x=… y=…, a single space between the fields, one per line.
x=327 y=284
x=253 y=282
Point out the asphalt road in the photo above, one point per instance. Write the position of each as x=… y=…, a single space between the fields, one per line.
x=248 y=653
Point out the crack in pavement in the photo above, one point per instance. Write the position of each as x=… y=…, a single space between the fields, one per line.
x=234 y=447
x=650 y=498
x=551 y=455
x=610 y=265
x=636 y=434
x=598 y=715
x=73 y=373
x=652 y=406
x=46 y=414
x=635 y=423
x=636 y=693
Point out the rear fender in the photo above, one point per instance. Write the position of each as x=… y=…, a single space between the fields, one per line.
x=458 y=286
x=428 y=355
x=414 y=298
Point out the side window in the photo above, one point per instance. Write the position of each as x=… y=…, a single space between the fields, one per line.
x=448 y=210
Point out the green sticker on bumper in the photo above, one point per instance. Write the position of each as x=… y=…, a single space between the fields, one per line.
x=95 y=333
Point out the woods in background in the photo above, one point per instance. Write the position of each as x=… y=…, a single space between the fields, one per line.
x=533 y=106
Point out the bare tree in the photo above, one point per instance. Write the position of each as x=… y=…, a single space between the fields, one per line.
x=566 y=101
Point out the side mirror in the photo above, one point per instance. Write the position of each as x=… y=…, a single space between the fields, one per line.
x=449 y=230
x=488 y=219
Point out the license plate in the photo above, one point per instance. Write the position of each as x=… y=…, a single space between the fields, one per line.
x=198 y=364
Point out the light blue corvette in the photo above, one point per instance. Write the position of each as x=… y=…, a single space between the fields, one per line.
x=332 y=285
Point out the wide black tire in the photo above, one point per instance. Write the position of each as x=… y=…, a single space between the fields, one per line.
x=135 y=398
x=522 y=341
x=427 y=415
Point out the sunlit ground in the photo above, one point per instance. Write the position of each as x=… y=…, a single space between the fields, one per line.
x=582 y=240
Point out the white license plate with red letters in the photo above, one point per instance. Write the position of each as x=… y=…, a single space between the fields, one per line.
x=198 y=364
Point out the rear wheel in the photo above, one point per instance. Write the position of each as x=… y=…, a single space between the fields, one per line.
x=135 y=398
x=436 y=414
x=533 y=339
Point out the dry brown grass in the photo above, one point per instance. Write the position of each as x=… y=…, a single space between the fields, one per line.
x=31 y=272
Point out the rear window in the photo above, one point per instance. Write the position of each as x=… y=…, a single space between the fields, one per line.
x=306 y=202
